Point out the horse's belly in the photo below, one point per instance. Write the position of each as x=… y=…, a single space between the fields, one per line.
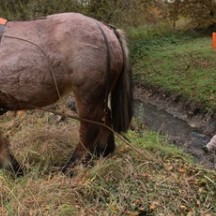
x=27 y=97
x=28 y=79
x=30 y=90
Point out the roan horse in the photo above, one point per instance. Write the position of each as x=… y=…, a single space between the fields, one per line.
x=41 y=60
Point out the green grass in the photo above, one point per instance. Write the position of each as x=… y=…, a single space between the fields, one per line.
x=157 y=144
x=126 y=183
x=183 y=64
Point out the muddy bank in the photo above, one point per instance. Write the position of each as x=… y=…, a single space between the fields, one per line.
x=191 y=112
x=178 y=122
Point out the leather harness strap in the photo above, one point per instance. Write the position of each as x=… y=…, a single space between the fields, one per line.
x=108 y=67
x=3 y=23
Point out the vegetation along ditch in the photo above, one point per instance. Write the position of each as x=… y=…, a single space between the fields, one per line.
x=174 y=80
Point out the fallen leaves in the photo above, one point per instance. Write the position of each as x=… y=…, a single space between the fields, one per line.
x=154 y=205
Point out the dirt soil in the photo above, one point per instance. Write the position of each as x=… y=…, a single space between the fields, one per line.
x=189 y=111
x=203 y=123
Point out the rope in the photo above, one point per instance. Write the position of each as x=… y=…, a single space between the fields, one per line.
x=48 y=60
x=147 y=155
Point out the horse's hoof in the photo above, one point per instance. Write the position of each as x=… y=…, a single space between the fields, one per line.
x=15 y=167
x=65 y=168
x=15 y=174
x=19 y=173
x=67 y=171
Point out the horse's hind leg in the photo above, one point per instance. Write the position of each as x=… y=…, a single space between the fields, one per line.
x=7 y=160
x=105 y=140
x=88 y=134
x=95 y=140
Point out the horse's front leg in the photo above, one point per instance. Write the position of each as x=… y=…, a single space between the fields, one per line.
x=7 y=160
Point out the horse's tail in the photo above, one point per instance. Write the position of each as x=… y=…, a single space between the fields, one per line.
x=121 y=95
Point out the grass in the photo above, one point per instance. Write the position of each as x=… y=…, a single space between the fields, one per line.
x=179 y=63
x=126 y=183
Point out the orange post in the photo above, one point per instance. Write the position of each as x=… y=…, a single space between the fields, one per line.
x=214 y=40
x=3 y=21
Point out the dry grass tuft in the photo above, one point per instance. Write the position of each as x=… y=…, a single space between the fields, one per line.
x=123 y=184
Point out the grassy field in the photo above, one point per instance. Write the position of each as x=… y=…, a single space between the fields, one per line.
x=181 y=63
x=153 y=178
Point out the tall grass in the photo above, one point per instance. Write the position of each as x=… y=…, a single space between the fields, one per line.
x=126 y=183
x=178 y=62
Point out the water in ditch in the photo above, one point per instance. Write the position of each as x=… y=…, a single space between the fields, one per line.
x=176 y=130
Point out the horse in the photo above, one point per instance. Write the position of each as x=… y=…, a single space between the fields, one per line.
x=42 y=60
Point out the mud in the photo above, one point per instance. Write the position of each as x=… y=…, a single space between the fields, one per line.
x=182 y=122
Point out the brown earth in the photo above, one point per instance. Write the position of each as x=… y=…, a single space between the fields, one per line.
x=192 y=112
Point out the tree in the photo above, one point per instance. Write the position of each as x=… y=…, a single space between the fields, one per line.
x=123 y=12
x=201 y=13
